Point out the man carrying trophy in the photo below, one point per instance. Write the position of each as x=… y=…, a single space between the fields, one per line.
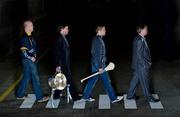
x=62 y=60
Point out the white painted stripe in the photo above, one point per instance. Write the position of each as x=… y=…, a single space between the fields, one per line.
x=79 y=104
x=156 y=105
x=29 y=101
x=129 y=104
x=53 y=103
x=104 y=102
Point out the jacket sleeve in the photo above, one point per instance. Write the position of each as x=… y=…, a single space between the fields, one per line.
x=24 y=49
x=97 y=52
x=58 y=52
x=35 y=50
x=140 y=53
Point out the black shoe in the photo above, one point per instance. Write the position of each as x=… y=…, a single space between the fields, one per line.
x=77 y=98
x=57 y=94
x=153 y=100
x=56 y=97
x=133 y=98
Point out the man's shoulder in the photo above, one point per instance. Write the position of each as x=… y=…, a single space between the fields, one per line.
x=23 y=39
x=96 y=39
x=59 y=39
x=138 y=38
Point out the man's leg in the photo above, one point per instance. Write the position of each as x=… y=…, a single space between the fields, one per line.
x=57 y=94
x=36 y=82
x=89 y=87
x=133 y=85
x=144 y=81
x=90 y=84
x=72 y=90
x=108 y=86
x=20 y=92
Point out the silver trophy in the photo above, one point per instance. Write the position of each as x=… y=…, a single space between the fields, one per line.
x=59 y=82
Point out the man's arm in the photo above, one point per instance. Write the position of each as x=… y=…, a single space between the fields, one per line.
x=98 y=53
x=140 y=53
x=24 y=50
x=58 y=54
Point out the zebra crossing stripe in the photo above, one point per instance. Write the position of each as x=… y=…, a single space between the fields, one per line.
x=104 y=102
x=29 y=101
x=53 y=103
x=129 y=104
x=157 y=105
x=79 y=104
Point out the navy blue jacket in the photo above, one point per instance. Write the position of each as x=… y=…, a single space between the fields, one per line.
x=141 y=53
x=28 y=47
x=62 y=52
x=98 y=52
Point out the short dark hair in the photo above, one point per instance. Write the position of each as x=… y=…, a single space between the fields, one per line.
x=140 y=27
x=62 y=27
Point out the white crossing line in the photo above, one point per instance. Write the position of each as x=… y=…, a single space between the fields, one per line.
x=157 y=105
x=79 y=104
x=53 y=103
x=129 y=104
x=104 y=102
x=29 y=101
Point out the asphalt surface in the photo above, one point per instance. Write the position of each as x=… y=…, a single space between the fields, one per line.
x=164 y=82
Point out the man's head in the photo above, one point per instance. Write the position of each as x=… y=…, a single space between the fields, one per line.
x=142 y=30
x=28 y=26
x=64 y=29
x=101 y=30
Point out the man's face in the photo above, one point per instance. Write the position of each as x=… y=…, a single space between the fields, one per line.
x=145 y=31
x=29 y=26
x=103 y=31
x=65 y=30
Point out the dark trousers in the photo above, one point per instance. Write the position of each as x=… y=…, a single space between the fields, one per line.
x=140 y=76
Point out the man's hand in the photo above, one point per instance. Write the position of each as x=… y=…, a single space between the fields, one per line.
x=101 y=70
x=31 y=51
x=33 y=59
x=58 y=69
